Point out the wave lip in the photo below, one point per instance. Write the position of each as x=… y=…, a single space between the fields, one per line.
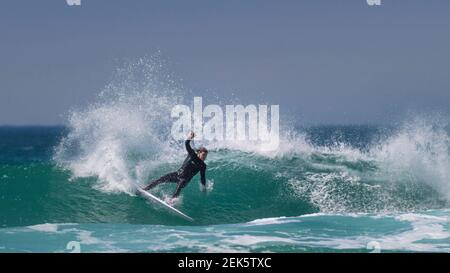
x=124 y=138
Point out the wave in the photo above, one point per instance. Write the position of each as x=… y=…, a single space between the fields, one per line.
x=125 y=136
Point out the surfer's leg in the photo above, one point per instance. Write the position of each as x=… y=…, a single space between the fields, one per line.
x=170 y=177
x=181 y=184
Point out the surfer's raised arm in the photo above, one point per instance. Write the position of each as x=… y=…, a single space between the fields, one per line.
x=187 y=143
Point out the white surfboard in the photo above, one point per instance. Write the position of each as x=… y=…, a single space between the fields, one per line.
x=155 y=199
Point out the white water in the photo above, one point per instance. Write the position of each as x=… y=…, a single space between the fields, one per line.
x=124 y=137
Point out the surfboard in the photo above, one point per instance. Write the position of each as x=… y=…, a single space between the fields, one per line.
x=160 y=202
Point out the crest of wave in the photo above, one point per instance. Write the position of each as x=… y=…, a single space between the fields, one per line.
x=124 y=130
x=405 y=171
x=419 y=152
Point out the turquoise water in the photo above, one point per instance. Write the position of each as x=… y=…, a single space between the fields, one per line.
x=424 y=232
x=325 y=189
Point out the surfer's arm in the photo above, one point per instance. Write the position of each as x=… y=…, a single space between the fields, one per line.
x=202 y=176
x=189 y=149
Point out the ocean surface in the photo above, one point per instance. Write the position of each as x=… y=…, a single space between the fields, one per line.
x=325 y=189
x=365 y=188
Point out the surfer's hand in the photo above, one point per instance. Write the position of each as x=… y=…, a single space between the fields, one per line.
x=191 y=135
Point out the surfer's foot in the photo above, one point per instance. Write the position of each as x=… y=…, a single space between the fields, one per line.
x=172 y=201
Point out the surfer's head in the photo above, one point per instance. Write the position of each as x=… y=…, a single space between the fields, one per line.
x=202 y=153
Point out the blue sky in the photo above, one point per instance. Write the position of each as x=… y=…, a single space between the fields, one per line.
x=322 y=61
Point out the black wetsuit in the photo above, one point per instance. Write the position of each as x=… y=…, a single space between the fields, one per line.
x=191 y=166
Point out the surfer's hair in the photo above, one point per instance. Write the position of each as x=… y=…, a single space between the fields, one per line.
x=202 y=150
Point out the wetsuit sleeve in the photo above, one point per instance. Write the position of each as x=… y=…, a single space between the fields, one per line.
x=189 y=149
x=202 y=176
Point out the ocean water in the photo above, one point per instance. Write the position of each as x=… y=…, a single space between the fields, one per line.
x=324 y=189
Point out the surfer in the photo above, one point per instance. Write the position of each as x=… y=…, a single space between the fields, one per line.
x=193 y=164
